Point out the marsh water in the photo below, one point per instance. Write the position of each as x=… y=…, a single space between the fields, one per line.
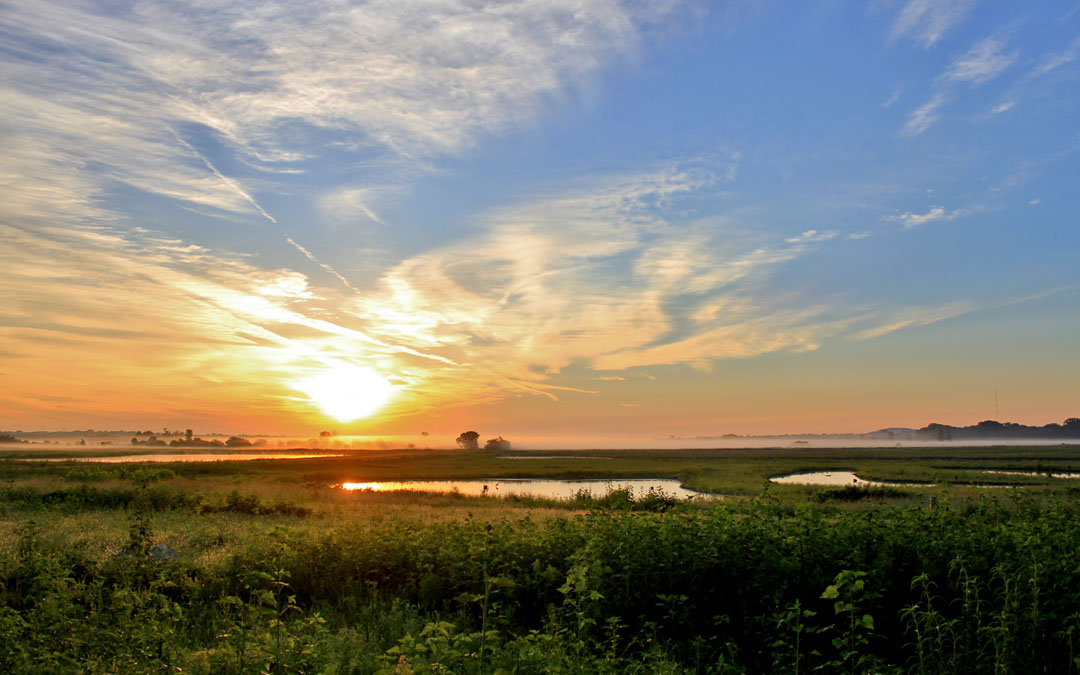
x=837 y=479
x=1042 y=474
x=549 y=489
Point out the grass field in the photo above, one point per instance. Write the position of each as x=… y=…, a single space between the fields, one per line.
x=277 y=571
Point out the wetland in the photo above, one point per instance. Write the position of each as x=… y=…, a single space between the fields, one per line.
x=268 y=565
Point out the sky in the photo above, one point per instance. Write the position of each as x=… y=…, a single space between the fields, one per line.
x=585 y=220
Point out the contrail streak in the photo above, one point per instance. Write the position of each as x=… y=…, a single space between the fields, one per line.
x=311 y=256
x=251 y=200
x=225 y=179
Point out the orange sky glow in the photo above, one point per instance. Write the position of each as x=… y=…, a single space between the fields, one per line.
x=596 y=223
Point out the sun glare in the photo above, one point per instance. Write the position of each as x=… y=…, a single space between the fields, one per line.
x=347 y=393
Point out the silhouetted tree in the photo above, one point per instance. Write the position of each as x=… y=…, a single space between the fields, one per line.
x=469 y=440
x=237 y=442
x=499 y=444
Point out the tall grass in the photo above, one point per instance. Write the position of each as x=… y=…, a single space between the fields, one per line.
x=992 y=585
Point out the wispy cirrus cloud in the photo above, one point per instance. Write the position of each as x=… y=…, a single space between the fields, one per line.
x=924 y=117
x=982 y=63
x=1055 y=61
x=582 y=278
x=936 y=213
x=1002 y=107
x=203 y=106
x=811 y=236
x=894 y=96
x=135 y=324
x=123 y=92
x=927 y=21
x=890 y=321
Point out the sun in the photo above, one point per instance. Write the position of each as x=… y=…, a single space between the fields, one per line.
x=347 y=392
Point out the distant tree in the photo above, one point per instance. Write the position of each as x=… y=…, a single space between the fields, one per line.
x=237 y=442
x=499 y=444
x=188 y=433
x=325 y=434
x=134 y=440
x=1072 y=424
x=469 y=440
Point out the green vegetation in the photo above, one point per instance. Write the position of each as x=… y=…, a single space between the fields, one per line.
x=729 y=471
x=261 y=567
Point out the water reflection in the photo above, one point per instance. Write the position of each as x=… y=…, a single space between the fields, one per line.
x=838 y=479
x=549 y=489
x=549 y=457
x=1038 y=474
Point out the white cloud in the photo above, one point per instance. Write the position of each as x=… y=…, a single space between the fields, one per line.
x=893 y=97
x=1055 y=61
x=121 y=91
x=349 y=205
x=910 y=220
x=163 y=318
x=982 y=63
x=907 y=317
x=1035 y=202
x=924 y=117
x=599 y=276
x=927 y=21
x=811 y=236
x=612 y=274
x=1004 y=107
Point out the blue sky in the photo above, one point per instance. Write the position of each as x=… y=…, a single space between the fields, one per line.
x=662 y=217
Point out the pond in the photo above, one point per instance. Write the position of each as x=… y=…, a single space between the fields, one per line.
x=1040 y=474
x=549 y=489
x=550 y=457
x=837 y=479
